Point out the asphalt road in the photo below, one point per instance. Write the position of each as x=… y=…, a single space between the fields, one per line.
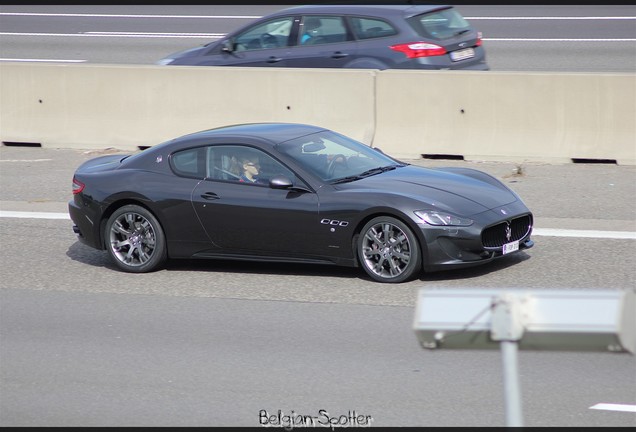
x=214 y=343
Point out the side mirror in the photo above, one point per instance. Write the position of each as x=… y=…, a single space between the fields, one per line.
x=280 y=182
x=227 y=45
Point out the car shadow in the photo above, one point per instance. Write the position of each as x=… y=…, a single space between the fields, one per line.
x=87 y=255
x=496 y=265
x=96 y=258
x=260 y=267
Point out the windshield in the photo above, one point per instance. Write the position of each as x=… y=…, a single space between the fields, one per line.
x=336 y=158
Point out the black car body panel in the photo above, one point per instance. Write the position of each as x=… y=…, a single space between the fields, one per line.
x=348 y=36
x=302 y=211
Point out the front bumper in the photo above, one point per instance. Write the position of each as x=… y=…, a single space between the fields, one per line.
x=457 y=247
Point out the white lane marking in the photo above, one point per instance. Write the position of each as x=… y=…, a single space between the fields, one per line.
x=41 y=60
x=551 y=232
x=129 y=16
x=25 y=160
x=121 y=34
x=157 y=34
x=33 y=215
x=557 y=40
x=555 y=18
x=614 y=407
x=556 y=232
x=595 y=18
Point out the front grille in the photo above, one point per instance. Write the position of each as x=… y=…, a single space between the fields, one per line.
x=495 y=236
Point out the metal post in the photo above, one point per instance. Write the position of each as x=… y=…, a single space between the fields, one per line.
x=507 y=327
x=512 y=389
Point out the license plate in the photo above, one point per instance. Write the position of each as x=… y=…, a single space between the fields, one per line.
x=462 y=54
x=511 y=247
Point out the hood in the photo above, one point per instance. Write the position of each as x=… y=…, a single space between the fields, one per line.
x=455 y=192
x=191 y=52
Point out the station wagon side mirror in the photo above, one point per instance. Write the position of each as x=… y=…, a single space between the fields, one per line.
x=227 y=45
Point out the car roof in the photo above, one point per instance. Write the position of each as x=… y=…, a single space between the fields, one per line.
x=274 y=132
x=377 y=10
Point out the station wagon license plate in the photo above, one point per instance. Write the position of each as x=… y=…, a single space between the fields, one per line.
x=511 y=247
x=462 y=54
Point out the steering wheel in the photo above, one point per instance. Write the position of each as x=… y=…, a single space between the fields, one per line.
x=268 y=41
x=332 y=163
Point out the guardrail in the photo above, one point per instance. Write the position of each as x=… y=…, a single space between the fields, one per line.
x=512 y=116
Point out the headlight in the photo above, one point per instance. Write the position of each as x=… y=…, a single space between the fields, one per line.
x=165 y=61
x=442 y=219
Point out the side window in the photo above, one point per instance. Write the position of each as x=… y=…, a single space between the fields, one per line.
x=222 y=163
x=271 y=34
x=189 y=163
x=317 y=30
x=369 y=28
x=244 y=164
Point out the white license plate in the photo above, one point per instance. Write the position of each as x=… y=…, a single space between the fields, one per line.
x=462 y=54
x=511 y=247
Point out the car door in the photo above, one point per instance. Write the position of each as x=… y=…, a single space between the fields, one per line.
x=252 y=218
x=323 y=42
x=265 y=44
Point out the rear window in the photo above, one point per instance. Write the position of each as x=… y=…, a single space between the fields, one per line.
x=441 y=24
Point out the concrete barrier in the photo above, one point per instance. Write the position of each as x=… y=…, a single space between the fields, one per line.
x=126 y=107
x=512 y=116
x=551 y=117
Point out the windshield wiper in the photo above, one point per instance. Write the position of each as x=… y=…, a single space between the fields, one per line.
x=378 y=170
x=461 y=32
x=367 y=173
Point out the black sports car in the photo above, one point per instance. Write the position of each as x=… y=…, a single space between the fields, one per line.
x=292 y=193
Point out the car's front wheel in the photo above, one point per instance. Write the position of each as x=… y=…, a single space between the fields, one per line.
x=388 y=250
x=135 y=240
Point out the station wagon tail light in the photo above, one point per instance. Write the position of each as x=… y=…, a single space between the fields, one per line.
x=479 y=36
x=78 y=186
x=419 y=49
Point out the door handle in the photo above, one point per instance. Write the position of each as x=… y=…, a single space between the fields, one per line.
x=273 y=59
x=339 y=54
x=210 y=196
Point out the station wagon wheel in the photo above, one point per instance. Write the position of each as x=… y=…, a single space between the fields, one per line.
x=135 y=240
x=388 y=250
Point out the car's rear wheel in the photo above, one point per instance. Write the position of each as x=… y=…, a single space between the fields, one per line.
x=388 y=250
x=135 y=240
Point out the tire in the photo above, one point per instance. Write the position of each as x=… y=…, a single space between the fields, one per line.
x=388 y=250
x=135 y=240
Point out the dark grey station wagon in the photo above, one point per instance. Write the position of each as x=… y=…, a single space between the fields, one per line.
x=348 y=36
